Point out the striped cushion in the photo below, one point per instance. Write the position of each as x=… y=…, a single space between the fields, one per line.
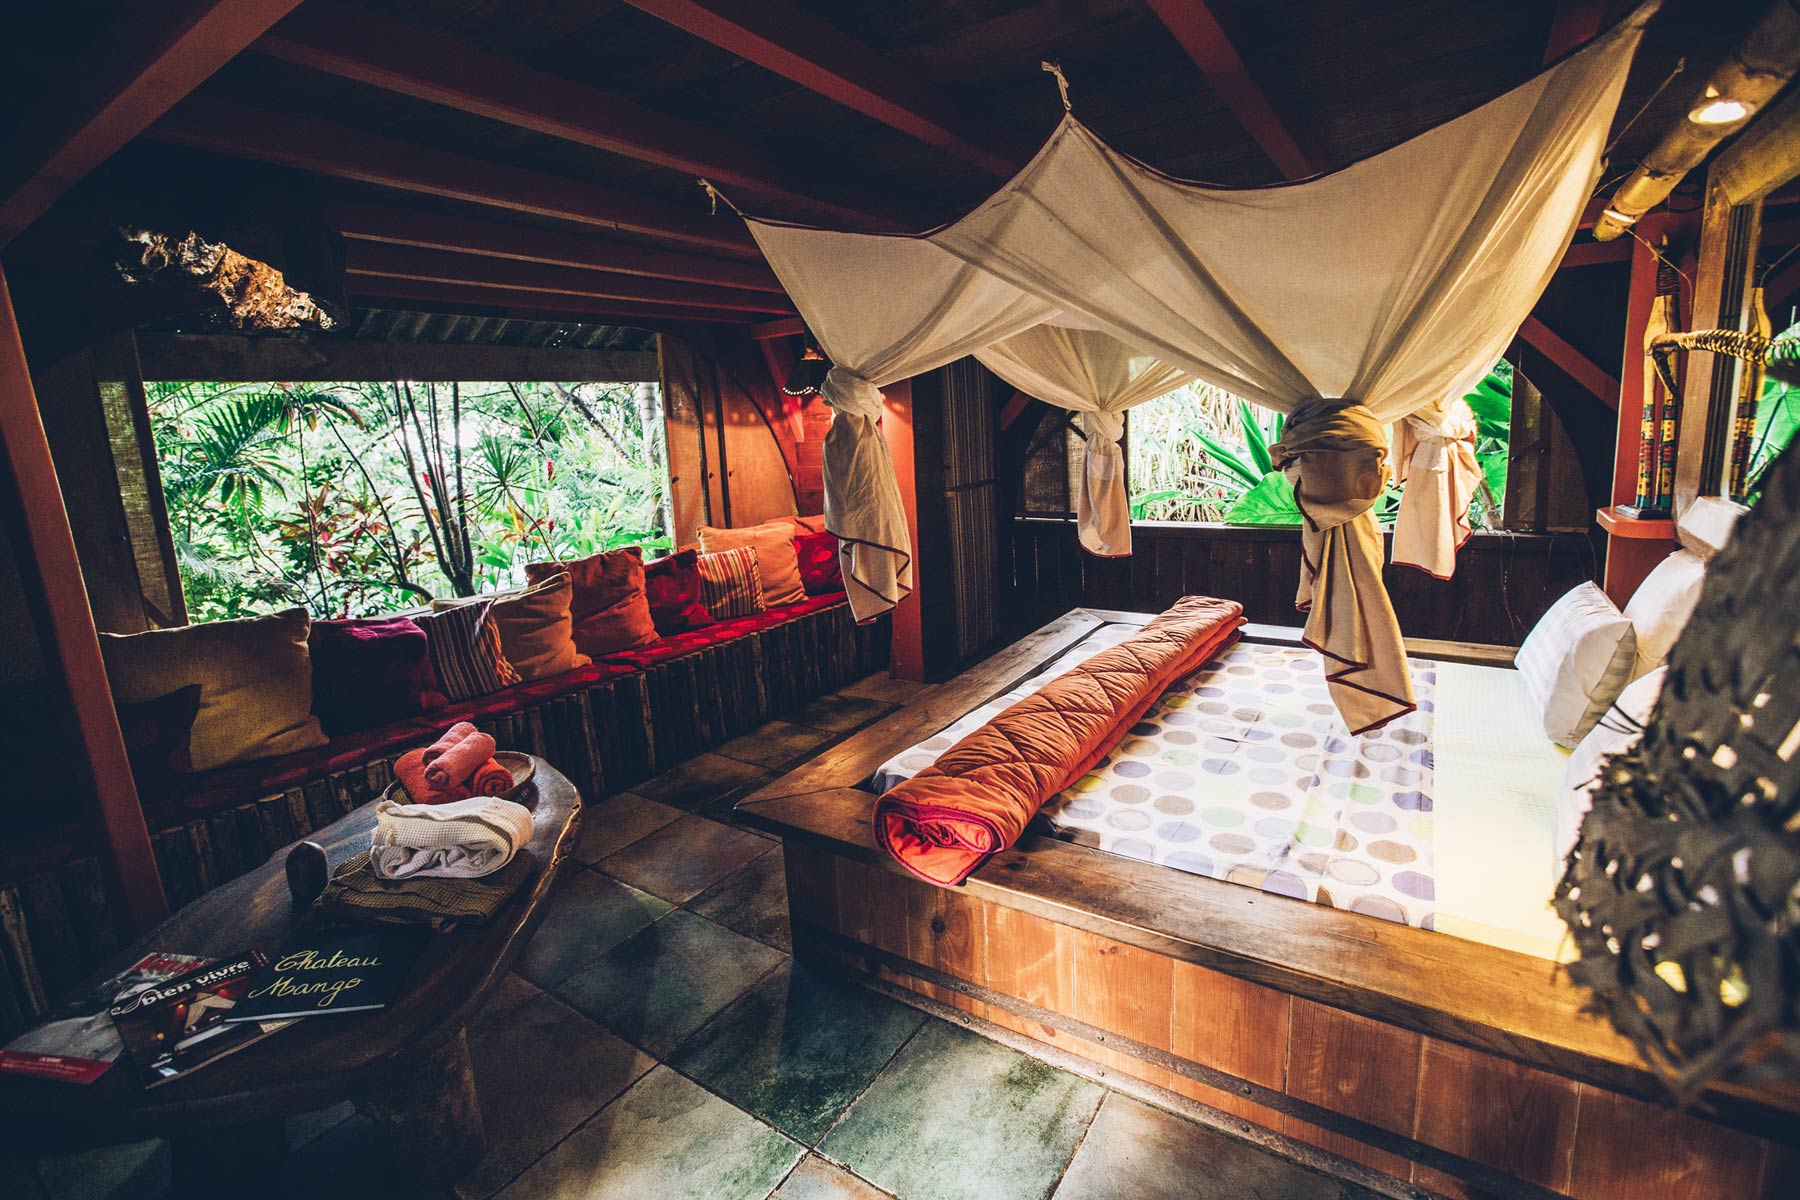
x=1577 y=661
x=731 y=583
x=465 y=649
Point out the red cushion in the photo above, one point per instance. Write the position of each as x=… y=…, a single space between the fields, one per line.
x=673 y=587
x=158 y=735
x=819 y=571
x=609 y=608
x=368 y=672
x=724 y=631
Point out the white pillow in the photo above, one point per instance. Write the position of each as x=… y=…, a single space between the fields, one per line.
x=1576 y=662
x=1661 y=606
x=1618 y=730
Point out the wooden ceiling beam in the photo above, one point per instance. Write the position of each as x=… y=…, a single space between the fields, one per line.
x=224 y=126
x=400 y=56
x=445 y=266
x=1588 y=254
x=779 y=36
x=781 y=327
x=400 y=225
x=1578 y=366
x=230 y=358
x=136 y=70
x=384 y=292
x=1197 y=29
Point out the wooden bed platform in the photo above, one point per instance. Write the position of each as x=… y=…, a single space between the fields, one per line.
x=1458 y=1067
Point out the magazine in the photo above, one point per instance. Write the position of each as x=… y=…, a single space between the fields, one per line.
x=79 y=1042
x=178 y=1025
x=344 y=973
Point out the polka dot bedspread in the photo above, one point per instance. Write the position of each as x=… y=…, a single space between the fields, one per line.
x=1243 y=772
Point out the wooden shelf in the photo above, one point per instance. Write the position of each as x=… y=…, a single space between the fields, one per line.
x=1618 y=524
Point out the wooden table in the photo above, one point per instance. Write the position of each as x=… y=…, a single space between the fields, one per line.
x=409 y=1062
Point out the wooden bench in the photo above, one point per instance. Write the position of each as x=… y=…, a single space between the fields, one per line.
x=410 y=1060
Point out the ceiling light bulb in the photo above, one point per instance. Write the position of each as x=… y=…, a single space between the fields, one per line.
x=1720 y=111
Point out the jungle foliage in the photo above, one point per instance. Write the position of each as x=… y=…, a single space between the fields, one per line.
x=360 y=498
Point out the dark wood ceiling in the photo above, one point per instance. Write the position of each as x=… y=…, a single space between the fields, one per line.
x=1345 y=79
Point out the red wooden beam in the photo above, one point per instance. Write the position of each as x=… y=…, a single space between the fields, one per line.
x=1014 y=409
x=1574 y=24
x=1587 y=254
x=58 y=597
x=410 y=293
x=445 y=266
x=779 y=36
x=399 y=56
x=223 y=126
x=1779 y=287
x=1200 y=34
x=784 y=327
x=136 y=69
x=405 y=226
x=1579 y=366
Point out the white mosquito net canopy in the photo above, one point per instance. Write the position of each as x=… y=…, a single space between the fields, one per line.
x=1374 y=294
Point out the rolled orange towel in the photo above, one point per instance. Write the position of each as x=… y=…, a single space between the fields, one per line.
x=491 y=779
x=447 y=739
x=456 y=764
x=409 y=769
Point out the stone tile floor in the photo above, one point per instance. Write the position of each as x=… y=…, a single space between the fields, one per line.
x=658 y=1040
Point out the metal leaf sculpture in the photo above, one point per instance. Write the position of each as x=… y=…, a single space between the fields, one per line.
x=1683 y=894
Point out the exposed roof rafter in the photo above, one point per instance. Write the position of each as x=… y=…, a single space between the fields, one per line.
x=779 y=36
x=444 y=266
x=413 y=60
x=224 y=126
x=401 y=225
x=1200 y=34
x=137 y=69
x=504 y=301
x=1575 y=23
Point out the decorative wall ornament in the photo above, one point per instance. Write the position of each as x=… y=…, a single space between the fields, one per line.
x=1683 y=894
x=255 y=294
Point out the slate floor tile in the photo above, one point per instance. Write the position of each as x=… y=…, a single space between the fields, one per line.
x=659 y=986
x=589 y=915
x=776 y=744
x=129 y=1169
x=616 y=822
x=957 y=1117
x=680 y=861
x=1135 y=1152
x=512 y=993
x=355 y=1158
x=699 y=780
x=539 y=1074
x=819 y=1179
x=752 y=901
x=798 y=1048
x=841 y=712
x=668 y=1139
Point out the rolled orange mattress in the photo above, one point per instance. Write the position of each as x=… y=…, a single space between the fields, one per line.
x=976 y=800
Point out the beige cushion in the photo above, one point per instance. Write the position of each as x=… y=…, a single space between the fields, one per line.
x=1618 y=730
x=536 y=632
x=1662 y=605
x=776 y=560
x=255 y=682
x=1576 y=661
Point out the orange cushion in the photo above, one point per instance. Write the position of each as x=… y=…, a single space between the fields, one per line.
x=609 y=609
x=776 y=561
x=536 y=629
x=978 y=797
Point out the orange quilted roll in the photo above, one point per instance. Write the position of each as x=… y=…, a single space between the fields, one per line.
x=977 y=799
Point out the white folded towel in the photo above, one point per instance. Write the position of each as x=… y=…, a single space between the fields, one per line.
x=465 y=839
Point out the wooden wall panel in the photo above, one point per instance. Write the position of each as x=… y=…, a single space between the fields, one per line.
x=1121 y=989
x=1503 y=583
x=1526 y=1127
x=1358 y=1067
x=1232 y=1025
x=1628 y=1150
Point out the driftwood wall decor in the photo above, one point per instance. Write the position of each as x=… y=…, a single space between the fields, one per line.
x=256 y=295
x=1683 y=894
